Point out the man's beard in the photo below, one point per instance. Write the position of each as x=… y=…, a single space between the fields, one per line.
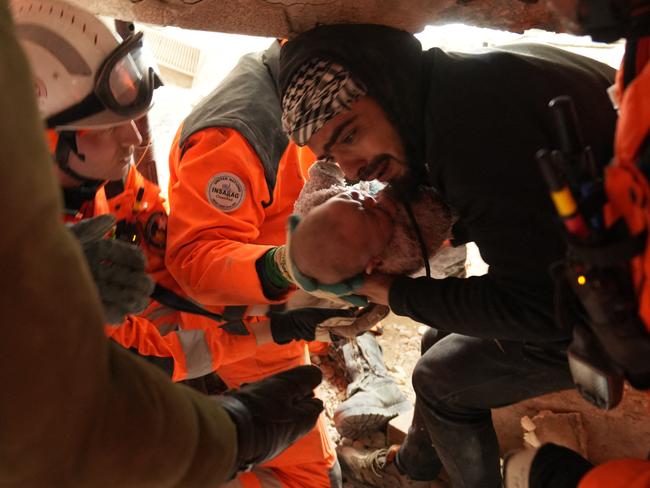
x=409 y=186
x=403 y=254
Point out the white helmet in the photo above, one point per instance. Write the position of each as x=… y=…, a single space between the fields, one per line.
x=84 y=76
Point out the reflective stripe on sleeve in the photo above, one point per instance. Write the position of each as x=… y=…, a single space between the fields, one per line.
x=198 y=357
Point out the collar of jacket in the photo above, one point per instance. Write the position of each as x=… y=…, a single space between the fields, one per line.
x=247 y=100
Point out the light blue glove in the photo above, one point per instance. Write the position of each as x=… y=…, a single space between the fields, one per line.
x=343 y=290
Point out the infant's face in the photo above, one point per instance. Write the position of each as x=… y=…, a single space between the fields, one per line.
x=351 y=233
x=368 y=221
x=343 y=236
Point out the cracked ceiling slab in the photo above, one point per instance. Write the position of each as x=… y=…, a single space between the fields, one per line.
x=285 y=18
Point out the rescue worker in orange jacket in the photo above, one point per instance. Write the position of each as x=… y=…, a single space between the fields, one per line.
x=609 y=20
x=93 y=153
x=141 y=218
x=234 y=178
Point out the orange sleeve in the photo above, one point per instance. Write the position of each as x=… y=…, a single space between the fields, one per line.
x=195 y=350
x=224 y=348
x=216 y=192
x=621 y=473
x=140 y=334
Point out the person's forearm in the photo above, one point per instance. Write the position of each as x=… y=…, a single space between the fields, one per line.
x=218 y=273
x=475 y=307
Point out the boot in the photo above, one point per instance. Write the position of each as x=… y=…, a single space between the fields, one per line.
x=373 y=397
x=469 y=451
x=378 y=468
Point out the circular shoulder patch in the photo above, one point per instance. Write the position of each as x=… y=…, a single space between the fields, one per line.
x=155 y=230
x=225 y=191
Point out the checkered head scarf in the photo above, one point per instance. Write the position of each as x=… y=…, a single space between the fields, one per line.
x=319 y=91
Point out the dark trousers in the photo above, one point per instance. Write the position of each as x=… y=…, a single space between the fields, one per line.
x=457 y=381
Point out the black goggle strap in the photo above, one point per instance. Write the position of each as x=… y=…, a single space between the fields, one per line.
x=90 y=105
x=176 y=302
x=157 y=81
x=67 y=143
x=418 y=233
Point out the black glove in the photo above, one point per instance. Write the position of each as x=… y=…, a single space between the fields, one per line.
x=301 y=323
x=118 y=268
x=273 y=413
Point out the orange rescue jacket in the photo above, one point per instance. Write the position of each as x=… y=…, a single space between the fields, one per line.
x=141 y=214
x=621 y=473
x=234 y=177
x=213 y=242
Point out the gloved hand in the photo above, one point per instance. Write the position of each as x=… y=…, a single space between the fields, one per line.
x=339 y=291
x=273 y=413
x=362 y=321
x=89 y=230
x=302 y=323
x=550 y=466
x=117 y=268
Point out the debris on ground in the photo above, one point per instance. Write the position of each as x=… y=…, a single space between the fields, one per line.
x=563 y=429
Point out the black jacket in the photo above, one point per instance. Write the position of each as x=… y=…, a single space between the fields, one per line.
x=471 y=125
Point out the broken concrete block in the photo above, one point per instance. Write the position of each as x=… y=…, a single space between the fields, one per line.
x=398 y=427
x=564 y=429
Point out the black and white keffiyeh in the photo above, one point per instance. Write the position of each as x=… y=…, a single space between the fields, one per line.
x=319 y=91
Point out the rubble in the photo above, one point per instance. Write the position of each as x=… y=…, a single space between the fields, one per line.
x=564 y=429
x=563 y=418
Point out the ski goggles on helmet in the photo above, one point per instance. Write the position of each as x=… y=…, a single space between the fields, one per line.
x=124 y=86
